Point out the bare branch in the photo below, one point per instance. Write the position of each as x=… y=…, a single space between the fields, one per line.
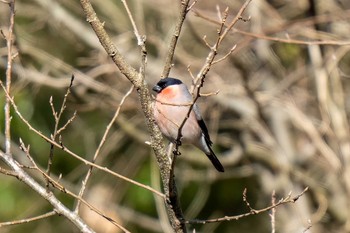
x=309 y=226
x=9 y=44
x=192 y=5
x=226 y=55
x=138 y=79
x=182 y=15
x=139 y=38
x=276 y=39
x=69 y=121
x=273 y=212
x=108 y=45
x=27 y=220
x=252 y=211
x=104 y=137
x=57 y=131
x=209 y=94
x=8 y=172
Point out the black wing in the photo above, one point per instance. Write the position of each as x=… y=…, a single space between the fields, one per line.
x=205 y=132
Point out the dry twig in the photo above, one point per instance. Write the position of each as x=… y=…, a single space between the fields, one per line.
x=57 y=131
x=27 y=220
x=252 y=211
x=104 y=137
x=62 y=147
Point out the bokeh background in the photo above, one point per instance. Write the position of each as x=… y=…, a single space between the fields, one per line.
x=279 y=121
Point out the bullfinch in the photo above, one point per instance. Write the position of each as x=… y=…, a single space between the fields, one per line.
x=171 y=107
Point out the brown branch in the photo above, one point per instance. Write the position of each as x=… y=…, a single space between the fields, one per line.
x=273 y=212
x=57 y=131
x=9 y=44
x=170 y=55
x=27 y=220
x=108 y=45
x=8 y=172
x=276 y=39
x=226 y=55
x=309 y=226
x=293 y=41
x=283 y=201
x=104 y=137
x=140 y=41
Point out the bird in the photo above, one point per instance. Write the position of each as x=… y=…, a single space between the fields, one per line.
x=170 y=108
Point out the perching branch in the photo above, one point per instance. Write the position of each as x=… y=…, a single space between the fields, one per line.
x=138 y=80
x=210 y=60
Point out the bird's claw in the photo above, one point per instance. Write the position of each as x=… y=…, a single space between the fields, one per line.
x=176 y=152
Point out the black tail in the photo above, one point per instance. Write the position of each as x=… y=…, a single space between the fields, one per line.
x=215 y=161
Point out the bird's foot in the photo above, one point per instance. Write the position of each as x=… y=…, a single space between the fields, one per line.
x=176 y=152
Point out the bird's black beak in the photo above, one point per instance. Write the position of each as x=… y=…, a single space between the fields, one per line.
x=157 y=88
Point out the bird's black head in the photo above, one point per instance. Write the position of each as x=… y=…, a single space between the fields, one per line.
x=165 y=82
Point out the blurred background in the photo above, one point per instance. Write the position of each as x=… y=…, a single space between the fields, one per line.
x=279 y=121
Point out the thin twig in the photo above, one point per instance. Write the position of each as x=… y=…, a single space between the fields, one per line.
x=141 y=41
x=293 y=41
x=57 y=131
x=252 y=211
x=136 y=31
x=276 y=39
x=27 y=220
x=192 y=5
x=226 y=55
x=8 y=172
x=97 y=152
x=245 y=200
x=273 y=212
x=209 y=94
x=309 y=226
x=69 y=121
